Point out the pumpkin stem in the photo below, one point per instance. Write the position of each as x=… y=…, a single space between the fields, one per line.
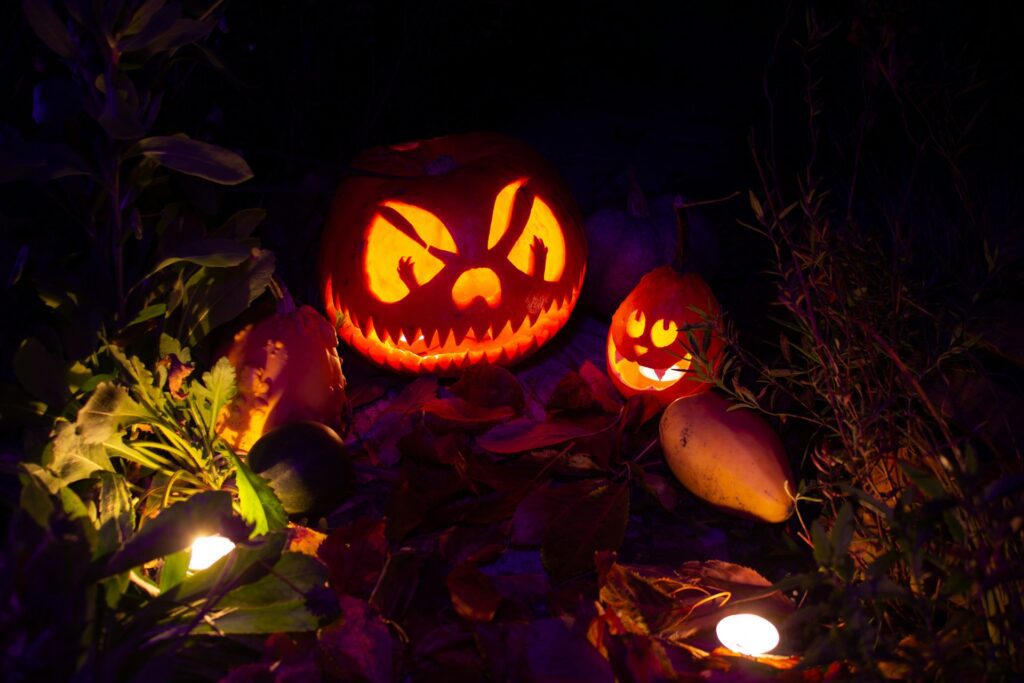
x=682 y=233
x=636 y=202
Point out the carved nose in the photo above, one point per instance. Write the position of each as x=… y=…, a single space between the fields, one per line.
x=640 y=350
x=477 y=283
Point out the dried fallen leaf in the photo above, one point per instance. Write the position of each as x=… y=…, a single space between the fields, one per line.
x=355 y=555
x=595 y=522
x=521 y=436
x=473 y=593
x=358 y=646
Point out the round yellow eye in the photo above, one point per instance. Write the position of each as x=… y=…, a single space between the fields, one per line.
x=663 y=333
x=636 y=324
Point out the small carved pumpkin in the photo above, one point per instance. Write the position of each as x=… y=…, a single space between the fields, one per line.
x=287 y=369
x=449 y=252
x=648 y=347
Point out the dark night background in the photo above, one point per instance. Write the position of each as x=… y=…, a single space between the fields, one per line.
x=673 y=89
x=681 y=93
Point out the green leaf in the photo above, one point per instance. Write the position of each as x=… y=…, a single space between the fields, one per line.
x=48 y=26
x=822 y=544
x=220 y=295
x=142 y=16
x=923 y=480
x=242 y=223
x=214 y=391
x=174 y=529
x=275 y=603
x=174 y=570
x=107 y=412
x=213 y=253
x=171 y=346
x=148 y=313
x=259 y=504
x=232 y=569
x=143 y=383
x=181 y=32
x=185 y=155
x=68 y=458
x=115 y=513
x=755 y=204
x=842 y=533
x=35 y=500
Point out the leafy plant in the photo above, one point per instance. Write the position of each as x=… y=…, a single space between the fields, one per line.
x=915 y=546
x=75 y=568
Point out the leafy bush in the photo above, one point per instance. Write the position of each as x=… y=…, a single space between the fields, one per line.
x=884 y=347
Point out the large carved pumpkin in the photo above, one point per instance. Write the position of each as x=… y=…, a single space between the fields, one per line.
x=448 y=252
x=648 y=346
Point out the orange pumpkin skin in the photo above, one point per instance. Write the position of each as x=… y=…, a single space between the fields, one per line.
x=648 y=349
x=449 y=252
x=287 y=369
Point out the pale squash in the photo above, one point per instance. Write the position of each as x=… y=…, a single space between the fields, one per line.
x=731 y=459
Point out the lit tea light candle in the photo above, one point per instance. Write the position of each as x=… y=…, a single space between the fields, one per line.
x=747 y=634
x=208 y=549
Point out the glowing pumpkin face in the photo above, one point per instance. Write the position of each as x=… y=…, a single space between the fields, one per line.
x=449 y=252
x=648 y=347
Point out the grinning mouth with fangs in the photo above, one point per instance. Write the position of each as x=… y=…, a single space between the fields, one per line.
x=451 y=350
x=644 y=378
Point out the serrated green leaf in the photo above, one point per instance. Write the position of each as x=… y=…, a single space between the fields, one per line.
x=214 y=391
x=143 y=383
x=68 y=458
x=170 y=346
x=115 y=514
x=259 y=504
x=108 y=411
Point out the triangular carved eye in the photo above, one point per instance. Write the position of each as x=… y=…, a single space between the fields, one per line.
x=541 y=233
x=397 y=259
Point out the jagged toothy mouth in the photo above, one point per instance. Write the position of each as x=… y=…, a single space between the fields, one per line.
x=445 y=350
x=644 y=378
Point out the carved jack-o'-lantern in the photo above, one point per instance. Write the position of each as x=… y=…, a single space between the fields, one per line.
x=445 y=253
x=648 y=347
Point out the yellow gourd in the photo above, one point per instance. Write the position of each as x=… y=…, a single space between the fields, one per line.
x=733 y=460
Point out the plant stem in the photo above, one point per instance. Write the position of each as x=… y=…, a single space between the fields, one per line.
x=116 y=227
